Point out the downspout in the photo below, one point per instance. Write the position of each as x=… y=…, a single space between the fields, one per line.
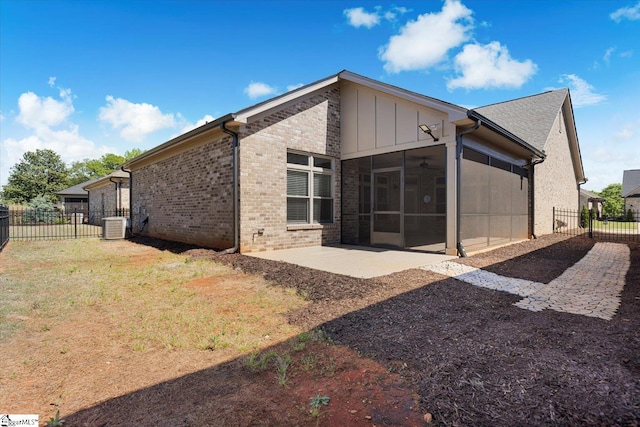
x=533 y=195
x=459 y=136
x=117 y=204
x=236 y=222
x=579 y=184
x=130 y=222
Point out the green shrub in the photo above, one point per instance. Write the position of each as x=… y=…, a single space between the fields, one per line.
x=40 y=209
x=584 y=217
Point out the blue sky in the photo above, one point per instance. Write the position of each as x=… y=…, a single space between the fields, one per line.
x=93 y=77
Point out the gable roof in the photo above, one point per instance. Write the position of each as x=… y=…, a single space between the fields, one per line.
x=589 y=194
x=247 y=114
x=98 y=182
x=76 y=190
x=630 y=182
x=532 y=117
x=495 y=115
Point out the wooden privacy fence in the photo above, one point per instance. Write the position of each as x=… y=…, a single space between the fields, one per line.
x=577 y=223
x=55 y=224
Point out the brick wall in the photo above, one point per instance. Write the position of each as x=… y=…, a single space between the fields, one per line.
x=188 y=197
x=350 y=194
x=311 y=125
x=555 y=181
x=113 y=200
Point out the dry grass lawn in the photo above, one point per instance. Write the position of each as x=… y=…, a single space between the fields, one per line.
x=118 y=333
x=124 y=316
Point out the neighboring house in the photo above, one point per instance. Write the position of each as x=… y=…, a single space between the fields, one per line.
x=108 y=196
x=348 y=159
x=591 y=201
x=631 y=189
x=75 y=199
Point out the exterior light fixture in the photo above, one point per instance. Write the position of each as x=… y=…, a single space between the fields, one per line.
x=427 y=129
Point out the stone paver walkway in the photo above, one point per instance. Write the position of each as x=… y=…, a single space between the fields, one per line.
x=590 y=287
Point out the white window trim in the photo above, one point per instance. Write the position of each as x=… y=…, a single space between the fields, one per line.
x=311 y=170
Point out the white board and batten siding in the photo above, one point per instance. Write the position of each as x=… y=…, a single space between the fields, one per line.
x=373 y=122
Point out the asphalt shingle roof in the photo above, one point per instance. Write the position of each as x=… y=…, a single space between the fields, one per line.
x=630 y=181
x=76 y=189
x=529 y=118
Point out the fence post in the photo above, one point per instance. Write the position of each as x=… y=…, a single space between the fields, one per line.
x=591 y=223
x=75 y=222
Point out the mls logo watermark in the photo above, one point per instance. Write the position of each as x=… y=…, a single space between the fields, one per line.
x=10 y=420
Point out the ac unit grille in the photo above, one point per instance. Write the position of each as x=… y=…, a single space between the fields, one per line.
x=113 y=228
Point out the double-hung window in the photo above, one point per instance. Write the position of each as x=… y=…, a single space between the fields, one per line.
x=309 y=189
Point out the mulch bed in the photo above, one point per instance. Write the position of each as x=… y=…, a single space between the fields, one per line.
x=472 y=356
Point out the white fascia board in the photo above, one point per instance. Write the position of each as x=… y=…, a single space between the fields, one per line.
x=567 y=111
x=455 y=112
x=243 y=116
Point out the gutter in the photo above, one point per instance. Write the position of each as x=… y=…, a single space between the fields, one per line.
x=502 y=131
x=236 y=222
x=130 y=222
x=179 y=139
x=579 y=184
x=459 y=135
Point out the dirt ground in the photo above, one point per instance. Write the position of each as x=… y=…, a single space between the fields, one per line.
x=398 y=347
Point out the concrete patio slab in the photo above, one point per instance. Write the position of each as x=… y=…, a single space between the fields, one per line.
x=355 y=261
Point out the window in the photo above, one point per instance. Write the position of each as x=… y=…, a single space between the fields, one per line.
x=309 y=189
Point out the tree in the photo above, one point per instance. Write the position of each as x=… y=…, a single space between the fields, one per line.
x=614 y=203
x=130 y=154
x=87 y=169
x=39 y=173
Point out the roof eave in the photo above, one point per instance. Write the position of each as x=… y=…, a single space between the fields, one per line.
x=179 y=140
x=573 y=133
x=474 y=115
x=632 y=193
x=455 y=112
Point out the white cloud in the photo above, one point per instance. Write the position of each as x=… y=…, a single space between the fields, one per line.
x=48 y=120
x=392 y=14
x=1 y=117
x=489 y=66
x=627 y=131
x=52 y=81
x=626 y=54
x=135 y=121
x=259 y=89
x=582 y=93
x=425 y=42
x=37 y=112
x=631 y=13
x=607 y=54
x=358 y=17
x=294 y=87
x=187 y=126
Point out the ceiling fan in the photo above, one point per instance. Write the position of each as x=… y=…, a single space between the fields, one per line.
x=425 y=165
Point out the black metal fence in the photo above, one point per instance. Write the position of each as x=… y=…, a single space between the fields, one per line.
x=4 y=225
x=54 y=224
x=587 y=224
